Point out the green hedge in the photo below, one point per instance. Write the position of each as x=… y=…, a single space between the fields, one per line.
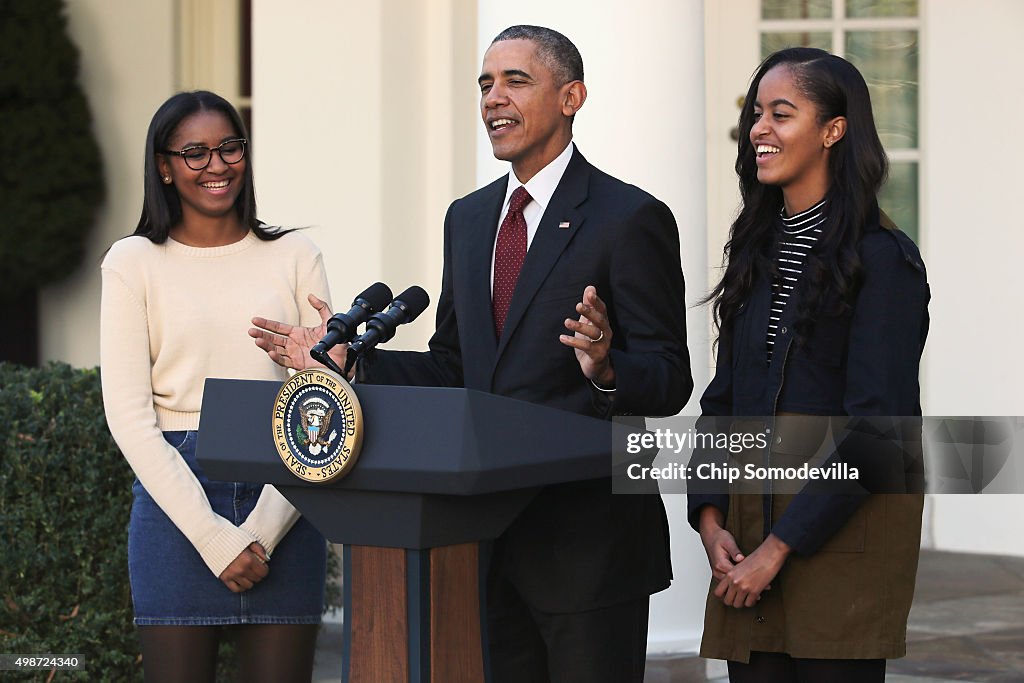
x=65 y=493
x=65 y=496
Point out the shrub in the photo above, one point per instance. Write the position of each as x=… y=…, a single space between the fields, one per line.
x=65 y=493
x=65 y=497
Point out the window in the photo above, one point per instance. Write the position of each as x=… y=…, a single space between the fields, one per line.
x=881 y=38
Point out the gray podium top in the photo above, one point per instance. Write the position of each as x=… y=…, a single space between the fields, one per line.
x=437 y=466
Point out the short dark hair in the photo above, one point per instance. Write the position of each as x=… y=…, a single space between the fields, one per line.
x=555 y=50
x=161 y=206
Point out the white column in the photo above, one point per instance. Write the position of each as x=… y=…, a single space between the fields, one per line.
x=361 y=129
x=643 y=122
x=317 y=113
x=971 y=238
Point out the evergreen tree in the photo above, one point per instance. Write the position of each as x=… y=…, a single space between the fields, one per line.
x=51 y=175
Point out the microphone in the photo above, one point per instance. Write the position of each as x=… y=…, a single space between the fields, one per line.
x=342 y=326
x=381 y=327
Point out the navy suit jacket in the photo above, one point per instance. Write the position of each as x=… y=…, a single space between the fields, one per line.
x=576 y=546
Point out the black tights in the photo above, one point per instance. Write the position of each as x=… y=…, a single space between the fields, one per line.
x=776 y=667
x=275 y=653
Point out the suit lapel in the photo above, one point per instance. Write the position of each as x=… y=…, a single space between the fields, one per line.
x=549 y=242
x=479 y=233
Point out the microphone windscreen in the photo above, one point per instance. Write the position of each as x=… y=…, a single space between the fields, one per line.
x=378 y=295
x=416 y=301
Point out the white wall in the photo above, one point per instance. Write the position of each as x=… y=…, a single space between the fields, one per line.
x=360 y=117
x=972 y=239
x=643 y=122
x=317 y=130
x=127 y=71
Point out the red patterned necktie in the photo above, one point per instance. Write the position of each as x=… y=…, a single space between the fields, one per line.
x=509 y=254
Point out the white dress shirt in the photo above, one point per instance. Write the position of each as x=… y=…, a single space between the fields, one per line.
x=541 y=187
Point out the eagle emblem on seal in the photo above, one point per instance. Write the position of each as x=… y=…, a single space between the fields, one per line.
x=315 y=425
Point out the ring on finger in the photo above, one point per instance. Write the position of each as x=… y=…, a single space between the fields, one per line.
x=599 y=337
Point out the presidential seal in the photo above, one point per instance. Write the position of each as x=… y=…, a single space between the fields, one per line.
x=318 y=425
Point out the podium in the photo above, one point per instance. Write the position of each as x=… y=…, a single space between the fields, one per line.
x=440 y=471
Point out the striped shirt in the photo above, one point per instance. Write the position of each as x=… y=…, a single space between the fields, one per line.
x=799 y=233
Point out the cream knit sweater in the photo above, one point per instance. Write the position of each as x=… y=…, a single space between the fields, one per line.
x=173 y=315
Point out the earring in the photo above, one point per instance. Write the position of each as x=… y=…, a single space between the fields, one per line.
x=167 y=180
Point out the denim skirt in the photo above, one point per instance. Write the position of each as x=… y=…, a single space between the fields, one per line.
x=172 y=586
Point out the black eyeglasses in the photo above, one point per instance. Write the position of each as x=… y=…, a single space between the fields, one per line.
x=197 y=158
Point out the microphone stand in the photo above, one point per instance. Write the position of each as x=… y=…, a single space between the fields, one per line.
x=326 y=359
x=350 y=360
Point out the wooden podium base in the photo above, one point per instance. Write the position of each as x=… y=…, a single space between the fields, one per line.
x=413 y=616
x=463 y=467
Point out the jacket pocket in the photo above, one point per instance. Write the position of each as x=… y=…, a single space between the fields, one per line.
x=561 y=292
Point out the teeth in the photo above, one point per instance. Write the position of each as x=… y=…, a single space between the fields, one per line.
x=215 y=185
x=497 y=123
x=766 y=149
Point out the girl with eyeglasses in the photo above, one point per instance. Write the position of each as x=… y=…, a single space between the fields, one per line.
x=821 y=311
x=178 y=295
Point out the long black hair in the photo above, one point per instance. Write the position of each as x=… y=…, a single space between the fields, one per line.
x=161 y=205
x=858 y=168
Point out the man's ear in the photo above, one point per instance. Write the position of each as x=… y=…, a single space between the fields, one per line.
x=574 y=94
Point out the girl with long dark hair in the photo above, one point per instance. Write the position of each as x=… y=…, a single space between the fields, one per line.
x=177 y=297
x=821 y=311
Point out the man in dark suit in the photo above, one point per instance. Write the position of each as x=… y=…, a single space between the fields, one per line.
x=571 y=579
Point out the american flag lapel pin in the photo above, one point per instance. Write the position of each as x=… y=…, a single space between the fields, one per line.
x=564 y=225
